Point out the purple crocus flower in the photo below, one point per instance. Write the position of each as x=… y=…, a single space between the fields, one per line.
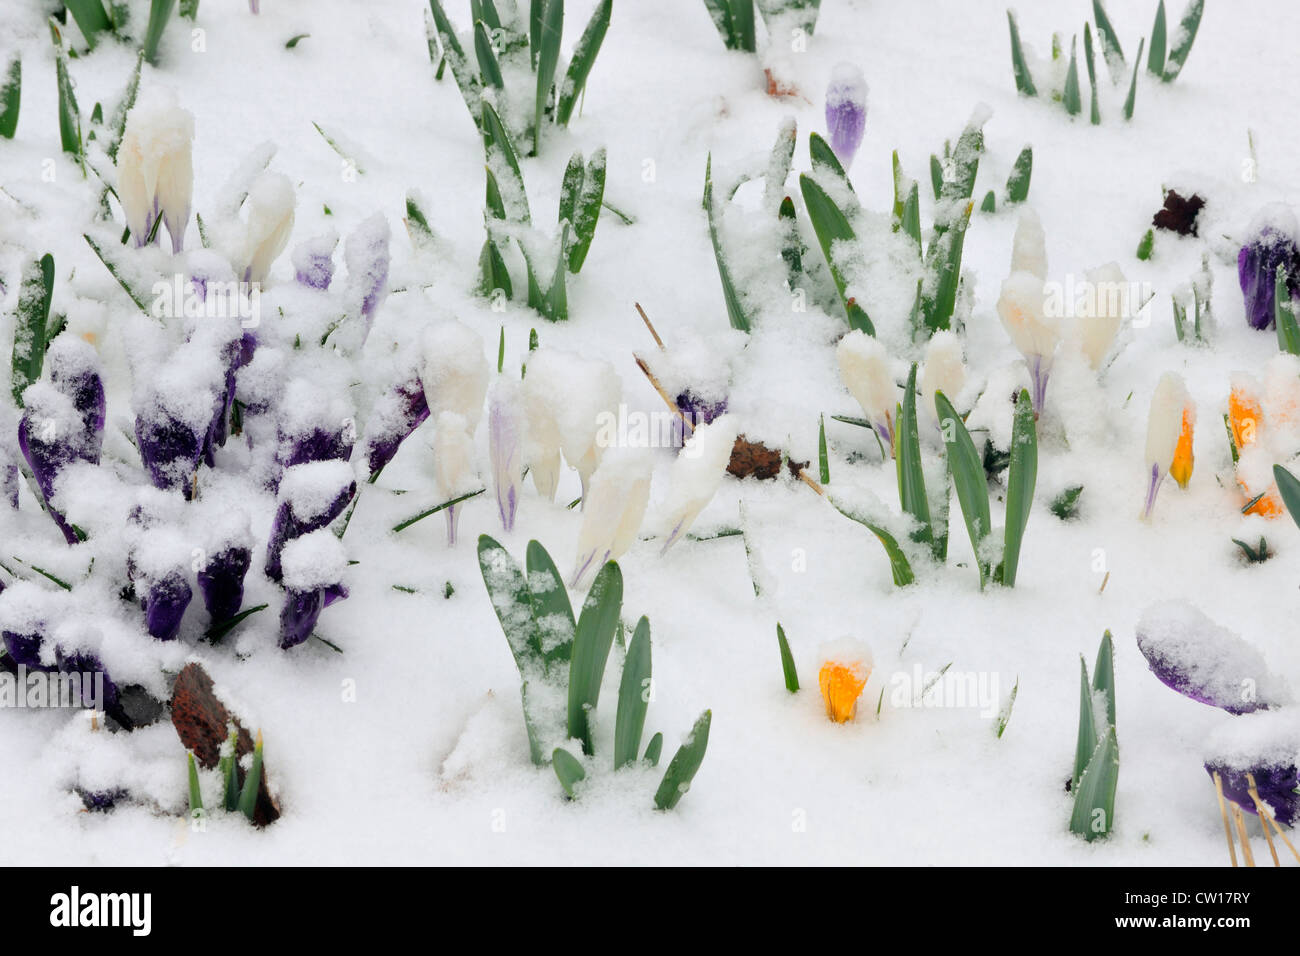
x=1272 y=246
x=846 y=111
x=53 y=434
x=366 y=256
x=24 y=648
x=1190 y=653
x=221 y=582
x=164 y=602
x=89 y=666
x=395 y=416
x=170 y=448
x=75 y=371
x=698 y=411
x=1278 y=785
x=311 y=496
x=313 y=571
x=313 y=261
x=101 y=801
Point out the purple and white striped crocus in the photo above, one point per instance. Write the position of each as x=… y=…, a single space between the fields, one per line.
x=366 y=256
x=1034 y=330
x=313 y=261
x=505 y=446
x=1272 y=246
x=846 y=111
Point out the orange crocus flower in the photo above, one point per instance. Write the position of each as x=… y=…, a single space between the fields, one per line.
x=1181 y=467
x=841 y=685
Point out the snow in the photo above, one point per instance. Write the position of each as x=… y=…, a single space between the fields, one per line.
x=442 y=772
x=314 y=561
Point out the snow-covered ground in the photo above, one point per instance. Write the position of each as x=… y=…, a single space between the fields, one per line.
x=409 y=746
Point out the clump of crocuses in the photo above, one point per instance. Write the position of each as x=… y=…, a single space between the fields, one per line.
x=1271 y=246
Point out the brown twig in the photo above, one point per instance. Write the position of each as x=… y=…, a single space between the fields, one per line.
x=1240 y=819
x=1266 y=816
x=1223 y=809
x=658 y=387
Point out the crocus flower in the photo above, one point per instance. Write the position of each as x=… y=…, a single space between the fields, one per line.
x=943 y=370
x=615 y=503
x=505 y=446
x=1172 y=414
x=569 y=401
x=311 y=495
x=266 y=232
x=1097 y=330
x=455 y=372
x=1205 y=661
x=395 y=416
x=696 y=475
x=1180 y=469
x=846 y=666
x=1245 y=413
x=1029 y=245
x=846 y=111
x=453 y=454
x=52 y=434
x=696 y=410
x=171 y=443
x=75 y=371
x=164 y=602
x=864 y=368
x=313 y=261
x=221 y=582
x=314 y=565
x=24 y=647
x=366 y=255
x=313 y=426
x=155 y=168
x=1022 y=307
x=1276 y=782
x=87 y=664
x=1272 y=245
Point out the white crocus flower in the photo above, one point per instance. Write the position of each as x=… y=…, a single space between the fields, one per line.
x=864 y=367
x=1171 y=414
x=1029 y=246
x=943 y=370
x=453 y=457
x=1100 y=323
x=155 y=166
x=505 y=446
x=697 y=473
x=1036 y=334
x=270 y=221
x=455 y=371
x=569 y=399
x=615 y=499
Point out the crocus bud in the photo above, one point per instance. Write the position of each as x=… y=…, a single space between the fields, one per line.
x=1272 y=245
x=397 y=414
x=615 y=503
x=845 y=668
x=943 y=370
x=864 y=369
x=90 y=669
x=155 y=168
x=311 y=495
x=228 y=558
x=366 y=255
x=1259 y=752
x=569 y=397
x=173 y=421
x=270 y=221
x=1180 y=469
x=27 y=611
x=75 y=371
x=697 y=472
x=313 y=261
x=453 y=456
x=696 y=410
x=52 y=434
x=1097 y=330
x=846 y=111
x=455 y=372
x=164 y=602
x=313 y=425
x=1200 y=659
x=1022 y=307
x=505 y=446
x=1165 y=425
x=1029 y=245
x=313 y=571
x=158 y=564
